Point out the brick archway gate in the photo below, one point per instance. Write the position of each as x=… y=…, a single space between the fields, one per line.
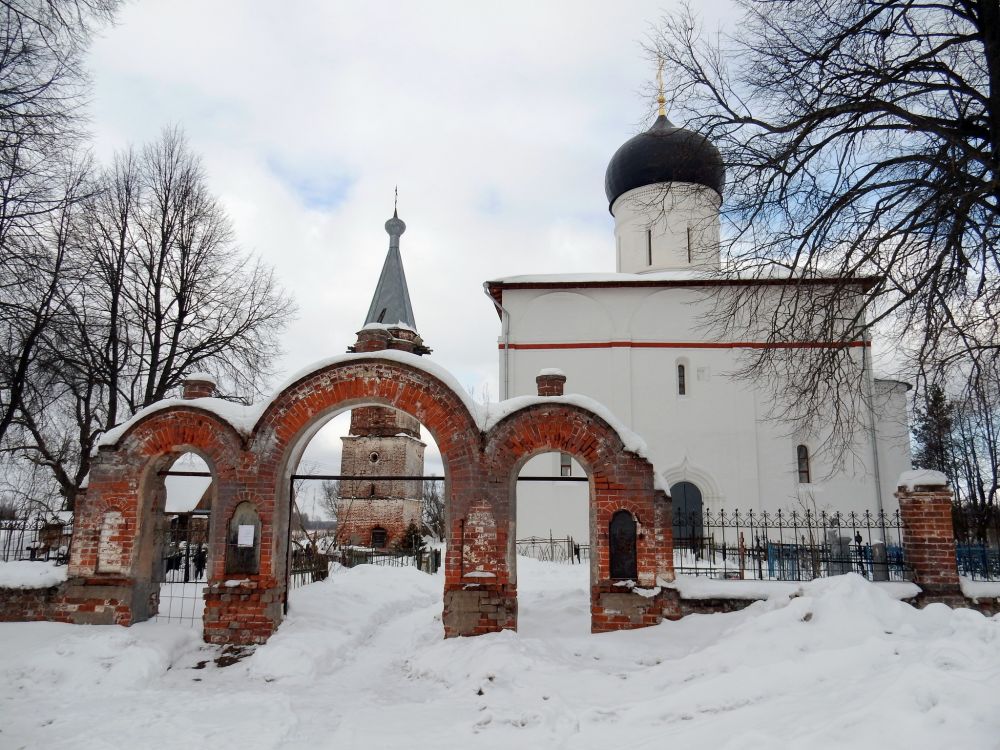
x=619 y=481
x=253 y=451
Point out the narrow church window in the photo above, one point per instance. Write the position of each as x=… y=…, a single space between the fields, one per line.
x=565 y=465
x=802 y=453
x=372 y=493
x=379 y=537
x=681 y=381
x=649 y=247
x=622 y=534
x=689 y=244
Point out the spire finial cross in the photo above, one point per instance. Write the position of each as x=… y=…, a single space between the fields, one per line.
x=661 y=100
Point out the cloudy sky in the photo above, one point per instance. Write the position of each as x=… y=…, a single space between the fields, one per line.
x=496 y=121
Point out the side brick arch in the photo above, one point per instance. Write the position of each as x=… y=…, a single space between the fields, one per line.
x=115 y=521
x=619 y=480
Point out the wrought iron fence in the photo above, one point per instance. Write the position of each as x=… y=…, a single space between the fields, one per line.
x=427 y=560
x=35 y=539
x=308 y=566
x=548 y=549
x=977 y=541
x=789 y=545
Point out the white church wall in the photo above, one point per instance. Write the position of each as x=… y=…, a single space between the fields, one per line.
x=718 y=434
x=557 y=508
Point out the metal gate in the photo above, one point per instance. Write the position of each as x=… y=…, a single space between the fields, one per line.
x=183 y=569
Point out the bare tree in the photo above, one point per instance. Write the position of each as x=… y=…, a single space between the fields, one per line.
x=862 y=148
x=433 y=509
x=155 y=288
x=329 y=497
x=42 y=43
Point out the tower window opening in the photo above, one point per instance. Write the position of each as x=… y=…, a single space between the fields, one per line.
x=802 y=454
x=381 y=315
x=681 y=380
x=649 y=247
x=565 y=465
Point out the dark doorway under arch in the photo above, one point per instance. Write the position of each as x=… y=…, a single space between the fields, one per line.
x=688 y=515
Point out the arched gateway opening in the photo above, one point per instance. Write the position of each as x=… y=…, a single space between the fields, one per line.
x=254 y=450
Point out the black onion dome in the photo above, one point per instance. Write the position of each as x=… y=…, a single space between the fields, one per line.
x=664 y=153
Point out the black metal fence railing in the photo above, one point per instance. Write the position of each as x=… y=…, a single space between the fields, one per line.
x=549 y=549
x=183 y=571
x=35 y=539
x=977 y=541
x=789 y=545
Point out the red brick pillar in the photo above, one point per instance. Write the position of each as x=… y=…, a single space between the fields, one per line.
x=928 y=535
x=550 y=382
x=198 y=385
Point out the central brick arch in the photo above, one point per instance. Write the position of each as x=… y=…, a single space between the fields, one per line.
x=293 y=418
x=619 y=480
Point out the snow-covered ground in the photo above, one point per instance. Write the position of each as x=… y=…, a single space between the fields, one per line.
x=360 y=662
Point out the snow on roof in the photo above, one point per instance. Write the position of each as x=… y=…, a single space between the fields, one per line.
x=545 y=371
x=700 y=274
x=387 y=326
x=599 y=278
x=239 y=417
x=921 y=478
x=201 y=377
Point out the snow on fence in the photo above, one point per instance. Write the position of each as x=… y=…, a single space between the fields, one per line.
x=789 y=545
x=35 y=539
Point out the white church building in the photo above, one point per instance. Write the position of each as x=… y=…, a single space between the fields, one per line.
x=634 y=340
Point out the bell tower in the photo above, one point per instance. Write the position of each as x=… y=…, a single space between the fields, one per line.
x=382 y=442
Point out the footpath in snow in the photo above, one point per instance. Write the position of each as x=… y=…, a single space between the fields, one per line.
x=360 y=662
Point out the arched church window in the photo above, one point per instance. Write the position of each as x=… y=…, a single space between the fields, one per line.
x=379 y=537
x=681 y=380
x=802 y=454
x=622 y=535
x=371 y=490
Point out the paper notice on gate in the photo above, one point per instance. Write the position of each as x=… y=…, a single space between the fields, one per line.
x=245 y=536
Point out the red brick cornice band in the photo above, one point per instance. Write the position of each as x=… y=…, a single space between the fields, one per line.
x=689 y=345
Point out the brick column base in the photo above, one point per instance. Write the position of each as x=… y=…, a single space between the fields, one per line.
x=475 y=609
x=244 y=613
x=617 y=608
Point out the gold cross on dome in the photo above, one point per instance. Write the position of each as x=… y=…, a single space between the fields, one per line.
x=660 y=99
